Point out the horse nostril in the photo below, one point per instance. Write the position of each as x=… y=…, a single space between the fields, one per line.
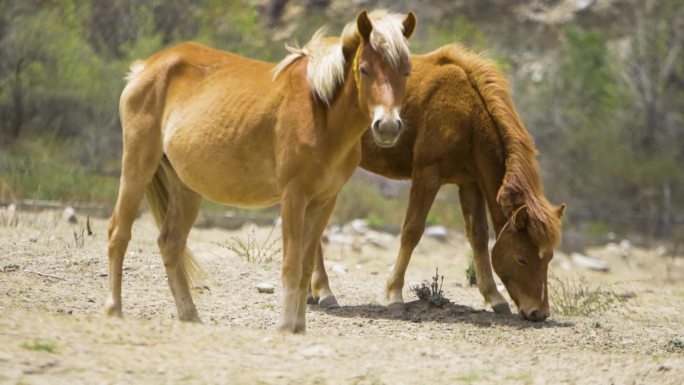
x=376 y=124
x=400 y=125
x=536 y=316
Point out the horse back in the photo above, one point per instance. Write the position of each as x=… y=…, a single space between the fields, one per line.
x=180 y=75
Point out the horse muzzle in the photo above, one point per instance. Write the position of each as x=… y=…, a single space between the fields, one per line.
x=534 y=315
x=386 y=127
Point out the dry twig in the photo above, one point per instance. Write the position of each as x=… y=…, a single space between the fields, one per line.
x=44 y=275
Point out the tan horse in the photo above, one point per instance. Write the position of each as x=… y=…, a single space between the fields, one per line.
x=201 y=122
x=462 y=128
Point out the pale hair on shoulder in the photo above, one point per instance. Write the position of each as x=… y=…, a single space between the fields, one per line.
x=326 y=62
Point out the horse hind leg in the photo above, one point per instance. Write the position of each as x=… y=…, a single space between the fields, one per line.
x=183 y=207
x=139 y=162
x=120 y=223
x=475 y=218
x=319 y=290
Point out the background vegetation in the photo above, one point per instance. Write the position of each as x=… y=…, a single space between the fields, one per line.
x=602 y=95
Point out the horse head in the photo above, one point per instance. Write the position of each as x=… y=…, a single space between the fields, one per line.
x=522 y=264
x=381 y=63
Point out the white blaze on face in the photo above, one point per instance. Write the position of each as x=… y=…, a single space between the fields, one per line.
x=543 y=294
x=381 y=114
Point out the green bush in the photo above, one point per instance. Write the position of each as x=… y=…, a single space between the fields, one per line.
x=40 y=170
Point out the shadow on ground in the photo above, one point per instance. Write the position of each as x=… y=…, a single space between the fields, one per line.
x=421 y=311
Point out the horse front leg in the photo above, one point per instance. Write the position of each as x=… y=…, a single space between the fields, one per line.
x=294 y=203
x=475 y=218
x=424 y=186
x=316 y=218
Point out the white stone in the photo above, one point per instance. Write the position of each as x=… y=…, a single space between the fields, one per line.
x=625 y=247
x=339 y=268
x=379 y=239
x=340 y=239
x=436 y=232
x=588 y=262
x=69 y=214
x=265 y=287
x=360 y=226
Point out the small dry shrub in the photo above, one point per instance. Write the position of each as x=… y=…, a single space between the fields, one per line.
x=571 y=297
x=433 y=292
x=675 y=345
x=253 y=251
x=79 y=238
x=471 y=276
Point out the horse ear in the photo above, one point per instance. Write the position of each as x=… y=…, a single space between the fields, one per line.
x=560 y=210
x=520 y=218
x=364 y=25
x=409 y=25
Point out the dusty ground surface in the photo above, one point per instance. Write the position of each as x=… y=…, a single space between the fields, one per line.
x=52 y=328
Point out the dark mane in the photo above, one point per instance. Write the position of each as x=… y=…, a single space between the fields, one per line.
x=521 y=183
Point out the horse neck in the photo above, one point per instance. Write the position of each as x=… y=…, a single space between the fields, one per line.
x=344 y=119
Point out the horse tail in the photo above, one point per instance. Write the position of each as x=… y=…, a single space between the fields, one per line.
x=521 y=184
x=157 y=194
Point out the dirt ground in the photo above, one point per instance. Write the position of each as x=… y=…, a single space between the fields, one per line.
x=53 y=331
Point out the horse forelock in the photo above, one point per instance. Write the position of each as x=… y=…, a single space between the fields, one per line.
x=387 y=37
x=544 y=226
x=522 y=186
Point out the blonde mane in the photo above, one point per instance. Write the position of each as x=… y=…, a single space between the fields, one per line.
x=326 y=62
x=521 y=184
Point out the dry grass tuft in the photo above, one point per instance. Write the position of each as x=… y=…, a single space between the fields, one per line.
x=253 y=251
x=573 y=297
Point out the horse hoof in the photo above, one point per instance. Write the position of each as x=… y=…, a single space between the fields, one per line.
x=310 y=300
x=501 y=308
x=191 y=317
x=329 y=302
x=287 y=328
x=193 y=320
x=397 y=308
x=113 y=312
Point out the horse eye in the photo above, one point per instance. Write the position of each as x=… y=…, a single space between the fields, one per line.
x=521 y=261
x=364 y=71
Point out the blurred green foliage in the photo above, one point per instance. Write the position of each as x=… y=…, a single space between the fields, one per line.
x=46 y=169
x=606 y=109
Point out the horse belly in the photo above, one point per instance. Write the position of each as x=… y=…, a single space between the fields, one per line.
x=232 y=183
x=226 y=171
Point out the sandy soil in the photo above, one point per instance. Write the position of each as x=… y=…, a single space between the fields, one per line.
x=52 y=328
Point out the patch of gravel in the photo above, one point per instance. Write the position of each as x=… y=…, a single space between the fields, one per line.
x=52 y=291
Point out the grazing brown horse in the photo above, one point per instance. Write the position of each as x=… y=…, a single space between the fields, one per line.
x=462 y=128
x=201 y=122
